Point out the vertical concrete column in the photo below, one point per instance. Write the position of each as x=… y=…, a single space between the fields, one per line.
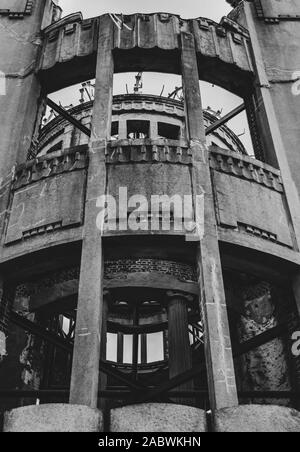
x=85 y=371
x=218 y=352
x=180 y=356
x=103 y=376
x=3 y=324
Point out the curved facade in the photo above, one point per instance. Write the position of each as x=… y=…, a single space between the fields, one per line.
x=142 y=255
x=133 y=116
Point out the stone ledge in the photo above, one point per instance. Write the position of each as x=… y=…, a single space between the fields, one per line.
x=257 y=418
x=53 y=418
x=158 y=417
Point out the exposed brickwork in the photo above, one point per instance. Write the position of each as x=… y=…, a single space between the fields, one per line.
x=56 y=277
x=180 y=270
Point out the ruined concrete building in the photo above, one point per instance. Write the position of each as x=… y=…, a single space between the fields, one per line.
x=149 y=266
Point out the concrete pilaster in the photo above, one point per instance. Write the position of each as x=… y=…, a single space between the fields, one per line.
x=218 y=352
x=180 y=356
x=85 y=371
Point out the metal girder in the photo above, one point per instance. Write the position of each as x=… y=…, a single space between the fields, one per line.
x=113 y=372
x=62 y=112
x=220 y=122
x=237 y=351
x=135 y=386
x=39 y=331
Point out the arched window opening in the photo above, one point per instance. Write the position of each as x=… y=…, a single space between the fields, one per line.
x=233 y=134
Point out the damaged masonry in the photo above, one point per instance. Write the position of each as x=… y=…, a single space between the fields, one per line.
x=109 y=324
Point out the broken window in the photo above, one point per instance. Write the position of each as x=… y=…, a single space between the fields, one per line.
x=115 y=130
x=57 y=147
x=169 y=131
x=233 y=134
x=137 y=129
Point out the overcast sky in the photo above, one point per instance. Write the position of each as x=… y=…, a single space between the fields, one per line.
x=212 y=96
x=214 y=9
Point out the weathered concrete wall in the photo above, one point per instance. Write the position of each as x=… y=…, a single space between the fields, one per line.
x=19 y=97
x=280 y=7
x=45 y=206
x=248 y=206
x=277 y=29
x=150 y=179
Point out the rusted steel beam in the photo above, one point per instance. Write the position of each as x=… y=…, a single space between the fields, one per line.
x=88 y=333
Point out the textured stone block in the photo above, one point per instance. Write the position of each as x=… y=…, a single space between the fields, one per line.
x=157 y=417
x=257 y=418
x=53 y=418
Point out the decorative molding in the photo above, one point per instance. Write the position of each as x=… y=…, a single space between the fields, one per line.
x=43 y=230
x=246 y=168
x=125 y=151
x=259 y=9
x=238 y=30
x=147 y=31
x=225 y=26
x=50 y=165
x=119 y=269
x=171 y=294
x=147 y=103
x=253 y=230
x=71 y=18
x=260 y=13
x=19 y=14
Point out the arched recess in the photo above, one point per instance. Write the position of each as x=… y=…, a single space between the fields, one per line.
x=152 y=42
x=146 y=42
